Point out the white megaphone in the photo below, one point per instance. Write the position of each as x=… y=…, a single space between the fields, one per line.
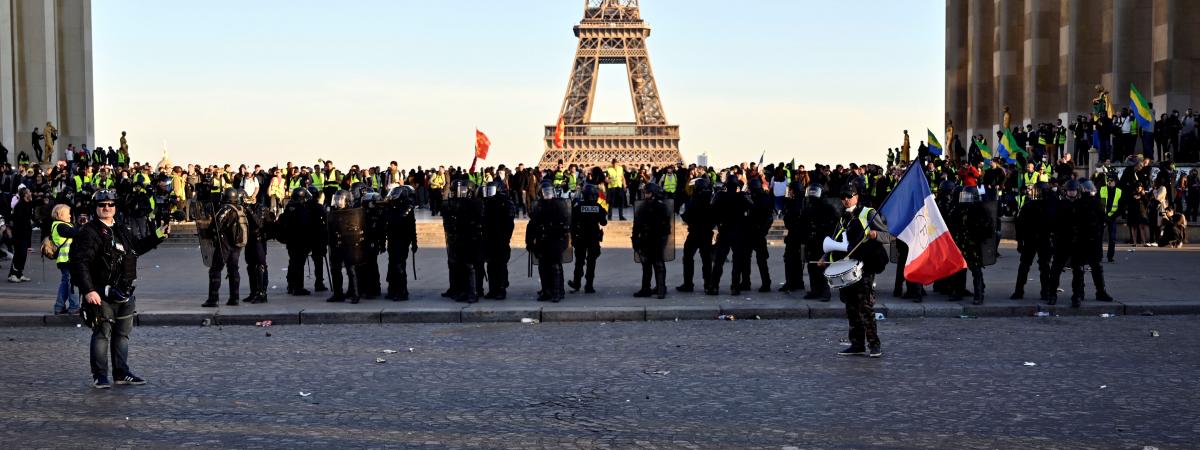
x=830 y=246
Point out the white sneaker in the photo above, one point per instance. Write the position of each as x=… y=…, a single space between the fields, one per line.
x=25 y=278
x=13 y=279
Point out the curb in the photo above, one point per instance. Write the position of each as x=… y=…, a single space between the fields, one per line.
x=567 y=313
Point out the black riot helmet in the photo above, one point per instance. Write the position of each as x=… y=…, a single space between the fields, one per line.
x=701 y=185
x=341 y=200
x=400 y=194
x=814 y=190
x=231 y=196
x=653 y=191
x=795 y=189
x=1087 y=187
x=968 y=195
x=547 y=191
x=246 y=198
x=104 y=195
x=462 y=189
x=493 y=188
x=1071 y=190
x=370 y=199
x=301 y=195
x=591 y=193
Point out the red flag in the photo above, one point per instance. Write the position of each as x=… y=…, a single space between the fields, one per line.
x=482 y=144
x=560 y=133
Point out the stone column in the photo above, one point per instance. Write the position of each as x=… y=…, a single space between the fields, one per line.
x=956 y=63
x=1009 y=60
x=1176 y=55
x=1088 y=44
x=36 y=76
x=75 y=100
x=1123 y=57
x=981 y=105
x=1041 y=60
x=8 y=127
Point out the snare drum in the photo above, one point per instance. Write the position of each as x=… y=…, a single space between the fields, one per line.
x=843 y=273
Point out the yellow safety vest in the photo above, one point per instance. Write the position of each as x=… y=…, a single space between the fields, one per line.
x=864 y=217
x=318 y=180
x=64 y=244
x=616 y=177
x=1116 y=199
x=438 y=181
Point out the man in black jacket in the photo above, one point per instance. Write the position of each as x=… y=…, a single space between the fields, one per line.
x=104 y=267
x=698 y=216
x=587 y=220
x=865 y=232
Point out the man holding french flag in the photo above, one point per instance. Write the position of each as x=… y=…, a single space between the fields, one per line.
x=913 y=216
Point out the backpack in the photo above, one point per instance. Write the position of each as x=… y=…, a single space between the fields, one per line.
x=240 y=232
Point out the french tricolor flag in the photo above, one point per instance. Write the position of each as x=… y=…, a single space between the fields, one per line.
x=913 y=217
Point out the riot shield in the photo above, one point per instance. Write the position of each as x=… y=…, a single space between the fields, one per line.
x=668 y=251
x=564 y=207
x=347 y=226
x=990 y=246
x=206 y=241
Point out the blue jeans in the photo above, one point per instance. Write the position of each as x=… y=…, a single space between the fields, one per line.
x=65 y=296
x=112 y=334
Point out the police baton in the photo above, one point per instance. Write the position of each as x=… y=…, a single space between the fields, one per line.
x=530 y=264
x=414 y=264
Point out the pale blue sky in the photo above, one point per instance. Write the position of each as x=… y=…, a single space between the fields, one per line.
x=367 y=82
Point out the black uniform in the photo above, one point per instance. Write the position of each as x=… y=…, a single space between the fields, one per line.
x=732 y=211
x=466 y=248
x=762 y=217
x=793 y=256
x=401 y=237
x=498 y=214
x=970 y=226
x=698 y=215
x=320 y=243
x=1033 y=240
x=818 y=220
x=651 y=230
x=259 y=227
x=103 y=256
x=374 y=243
x=587 y=218
x=546 y=236
x=338 y=241
x=1079 y=226
x=298 y=232
x=227 y=251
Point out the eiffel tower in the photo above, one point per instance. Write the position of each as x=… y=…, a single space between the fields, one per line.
x=612 y=32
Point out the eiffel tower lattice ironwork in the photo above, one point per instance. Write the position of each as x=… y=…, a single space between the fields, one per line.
x=612 y=32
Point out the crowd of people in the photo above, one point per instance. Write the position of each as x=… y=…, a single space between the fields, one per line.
x=344 y=220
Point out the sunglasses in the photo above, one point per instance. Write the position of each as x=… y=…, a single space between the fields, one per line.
x=846 y=196
x=106 y=205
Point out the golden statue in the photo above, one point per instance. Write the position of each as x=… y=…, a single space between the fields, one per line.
x=1102 y=104
x=1007 y=118
x=904 y=148
x=49 y=136
x=948 y=146
x=124 y=144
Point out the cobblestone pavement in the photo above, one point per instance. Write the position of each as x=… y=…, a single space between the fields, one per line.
x=945 y=383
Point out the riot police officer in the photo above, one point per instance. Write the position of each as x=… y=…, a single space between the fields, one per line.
x=547 y=236
x=1033 y=239
x=732 y=210
x=652 y=228
x=970 y=226
x=297 y=231
x=465 y=249
x=341 y=240
x=260 y=225
x=317 y=211
x=793 y=256
x=229 y=232
x=374 y=243
x=499 y=211
x=587 y=220
x=762 y=217
x=816 y=222
x=698 y=215
x=401 y=236
x=1078 y=226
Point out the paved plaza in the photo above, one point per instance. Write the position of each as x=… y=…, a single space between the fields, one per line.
x=1079 y=382
x=172 y=283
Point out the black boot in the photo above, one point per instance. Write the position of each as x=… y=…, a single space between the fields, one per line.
x=211 y=302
